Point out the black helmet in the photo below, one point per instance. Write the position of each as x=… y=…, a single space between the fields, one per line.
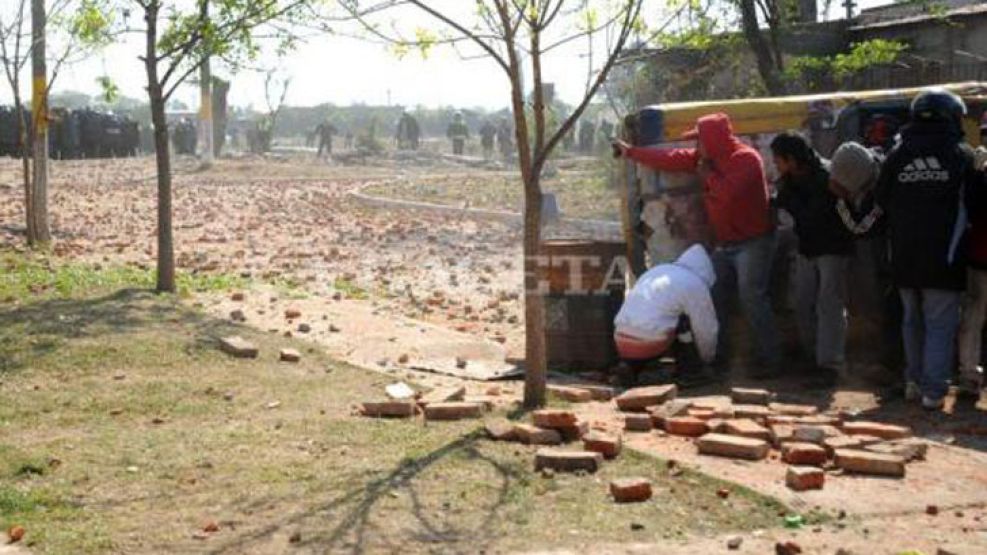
x=938 y=104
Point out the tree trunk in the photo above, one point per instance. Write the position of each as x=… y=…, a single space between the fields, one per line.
x=166 y=252
x=536 y=371
x=38 y=230
x=22 y=151
x=766 y=63
x=205 y=104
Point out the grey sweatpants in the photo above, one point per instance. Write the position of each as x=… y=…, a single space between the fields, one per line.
x=821 y=300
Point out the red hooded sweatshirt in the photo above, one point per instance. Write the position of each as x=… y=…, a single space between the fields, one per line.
x=736 y=192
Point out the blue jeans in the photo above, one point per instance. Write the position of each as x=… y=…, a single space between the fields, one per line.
x=744 y=270
x=821 y=301
x=932 y=318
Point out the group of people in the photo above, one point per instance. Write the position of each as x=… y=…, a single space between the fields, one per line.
x=920 y=211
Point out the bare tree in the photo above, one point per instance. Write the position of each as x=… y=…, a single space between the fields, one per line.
x=516 y=35
x=76 y=29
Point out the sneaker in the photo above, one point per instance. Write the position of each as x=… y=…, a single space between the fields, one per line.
x=823 y=378
x=930 y=403
x=970 y=382
x=912 y=392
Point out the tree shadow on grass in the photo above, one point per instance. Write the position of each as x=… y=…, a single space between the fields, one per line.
x=345 y=523
x=38 y=329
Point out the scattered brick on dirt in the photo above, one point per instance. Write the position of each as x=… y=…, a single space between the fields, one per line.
x=908 y=450
x=561 y=460
x=634 y=422
x=805 y=454
x=746 y=396
x=443 y=395
x=866 y=462
x=831 y=444
x=238 y=347
x=640 y=398
x=758 y=413
x=553 y=418
x=599 y=392
x=782 y=433
x=630 y=490
x=533 y=435
x=454 y=410
x=733 y=446
x=574 y=432
x=571 y=394
x=883 y=431
x=689 y=426
x=793 y=410
x=810 y=434
x=292 y=313
x=746 y=427
x=290 y=355
x=606 y=444
x=675 y=407
x=389 y=409
x=802 y=478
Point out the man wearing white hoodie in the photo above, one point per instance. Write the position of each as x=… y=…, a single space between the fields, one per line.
x=666 y=300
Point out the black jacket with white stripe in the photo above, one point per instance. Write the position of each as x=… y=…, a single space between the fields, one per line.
x=921 y=189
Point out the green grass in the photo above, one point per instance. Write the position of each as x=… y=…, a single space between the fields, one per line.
x=39 y=275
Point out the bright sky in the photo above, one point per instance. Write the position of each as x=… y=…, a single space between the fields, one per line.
x=344 y=70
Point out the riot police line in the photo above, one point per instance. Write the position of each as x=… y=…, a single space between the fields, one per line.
x=75 y=134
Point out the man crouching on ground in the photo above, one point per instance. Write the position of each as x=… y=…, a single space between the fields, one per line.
x=670 y=308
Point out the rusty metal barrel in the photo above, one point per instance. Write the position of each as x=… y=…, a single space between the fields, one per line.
x=584 y=286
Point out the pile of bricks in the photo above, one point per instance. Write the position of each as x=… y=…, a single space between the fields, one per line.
x=753 y=424
x=551 y=428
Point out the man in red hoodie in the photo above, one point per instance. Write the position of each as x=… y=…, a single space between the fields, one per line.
x=735 y=192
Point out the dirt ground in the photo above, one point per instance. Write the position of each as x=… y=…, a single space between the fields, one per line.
x=380 y=286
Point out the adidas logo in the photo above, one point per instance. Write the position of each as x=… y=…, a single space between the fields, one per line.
x=923 y=169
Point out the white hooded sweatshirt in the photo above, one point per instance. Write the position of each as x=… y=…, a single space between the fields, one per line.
x=652 y=308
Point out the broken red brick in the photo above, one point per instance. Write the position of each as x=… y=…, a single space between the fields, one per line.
x=553 y=418
x=806 y=454
x=746 y=427
x=443 y=395
x=668 y=409
x=389 y=409
x=571 y=394
x=238 y=347
x=801 y=478
x=640 y=398
x=630 y=490
x=454 y=410
x=637 y=422
x=568 y=461
x=701 y=414
x=908 y=450
x=599 y=392
x=292 y=313
x=793 y=410
x=574 y=432
x=831 y=444
x=500 y=430
x=883 y=431
x=533 y=435
x=607 y=445
x=745 y=396
x=758 y=413
x=865 y=462
x=686 y=426
x=781 y=433
x=733 y=446
x=290 y=355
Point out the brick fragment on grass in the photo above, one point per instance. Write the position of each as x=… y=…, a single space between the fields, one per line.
x=733 y=446
x=533 y=435
x=290 y=355
x=443 y=395
x=630 y=490
x=802 y=478
x=562 y=460
x=553 y=418
x=606 y=444
x=453 y=410
x=238 y=347
x=640 y=398
x=500 y=430
x=574 y=432
x=389 y=409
